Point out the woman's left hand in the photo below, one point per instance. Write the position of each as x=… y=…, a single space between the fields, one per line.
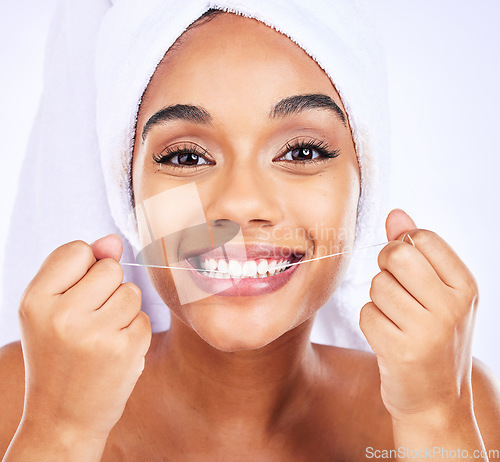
x=420 y=322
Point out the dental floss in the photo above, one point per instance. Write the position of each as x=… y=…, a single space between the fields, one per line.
x=407 y=235
x=296 y=263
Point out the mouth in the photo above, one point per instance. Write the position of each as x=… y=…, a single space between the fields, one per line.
x=249 y=269
x=261 y=272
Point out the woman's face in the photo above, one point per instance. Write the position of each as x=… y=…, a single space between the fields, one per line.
x=269 y=147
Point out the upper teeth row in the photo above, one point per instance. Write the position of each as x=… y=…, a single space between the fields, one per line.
x=249 y=268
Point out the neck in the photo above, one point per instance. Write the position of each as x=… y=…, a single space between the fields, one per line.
x=254 y=389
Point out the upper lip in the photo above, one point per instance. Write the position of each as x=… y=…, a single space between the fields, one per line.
x=251 y=251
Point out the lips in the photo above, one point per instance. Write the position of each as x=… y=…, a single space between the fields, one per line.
x=270 y=260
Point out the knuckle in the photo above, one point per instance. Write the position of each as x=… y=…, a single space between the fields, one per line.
x=28 y=302
x=471 y=288
x=78 y=247
x=365 y=314
x=397 y=255
x=31 y=303
x=423 y=237
x=130 y=294
x=131 y=288
x=77 y=252
x=378 y=282
x=139 y=333
x=144 y=324
x=393 y=256
x=145 y=321
x=111 y=267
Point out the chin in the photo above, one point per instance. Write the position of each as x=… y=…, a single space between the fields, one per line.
x=238 y=333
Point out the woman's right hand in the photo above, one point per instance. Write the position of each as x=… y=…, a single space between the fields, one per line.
x=84 y=339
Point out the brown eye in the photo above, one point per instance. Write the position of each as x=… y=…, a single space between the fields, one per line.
x=179 y=159
x=307 y=153
x=187 y=159
x=303 y=154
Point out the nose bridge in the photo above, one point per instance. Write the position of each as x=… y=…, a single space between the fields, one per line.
x=245 y=194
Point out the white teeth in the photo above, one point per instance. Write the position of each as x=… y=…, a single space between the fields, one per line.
x=222 y=266
x=249 y=268
x=234 y=269
x=261 y=268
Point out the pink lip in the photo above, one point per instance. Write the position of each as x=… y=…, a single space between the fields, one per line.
x=244 y=287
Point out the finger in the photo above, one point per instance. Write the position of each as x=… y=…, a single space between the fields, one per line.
x=413 y=271
x=97 y=286
x=395 y=302
x=397 y=223
x=139 y=332
x=108 y=247
x=451 y=270
x=63 y=268
x=379 y=330
x=122 y=307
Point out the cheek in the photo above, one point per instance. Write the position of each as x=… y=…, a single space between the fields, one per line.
x=165 y=286
x=327 y=209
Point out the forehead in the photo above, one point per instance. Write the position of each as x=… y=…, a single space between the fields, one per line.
x=234 y=62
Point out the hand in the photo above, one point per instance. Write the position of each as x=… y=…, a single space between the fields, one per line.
x=420 y=321
x=84 y=339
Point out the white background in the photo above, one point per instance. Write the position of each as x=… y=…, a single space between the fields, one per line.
x=444 y=75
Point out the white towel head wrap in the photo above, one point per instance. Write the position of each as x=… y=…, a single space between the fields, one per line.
x=126 y=40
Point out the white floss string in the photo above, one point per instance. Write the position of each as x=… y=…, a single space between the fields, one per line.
x=277 y=267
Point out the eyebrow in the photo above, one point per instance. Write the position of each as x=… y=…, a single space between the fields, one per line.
x=301 y=103
x=285 y=107
x=187 y=112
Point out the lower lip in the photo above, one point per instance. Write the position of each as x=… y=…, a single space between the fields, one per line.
x=243 y=287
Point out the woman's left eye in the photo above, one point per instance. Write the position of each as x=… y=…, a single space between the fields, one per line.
x=301 y=154
x=306 y=153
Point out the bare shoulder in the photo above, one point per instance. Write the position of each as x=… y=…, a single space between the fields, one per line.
x=11 y=392
x=486 y=395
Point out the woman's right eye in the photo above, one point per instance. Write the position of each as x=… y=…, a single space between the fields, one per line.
x=181 y=158
x=187 y=159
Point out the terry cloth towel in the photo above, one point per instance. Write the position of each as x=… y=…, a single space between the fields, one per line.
x=100 y=57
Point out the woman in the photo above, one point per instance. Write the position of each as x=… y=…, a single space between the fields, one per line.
x=236 y=377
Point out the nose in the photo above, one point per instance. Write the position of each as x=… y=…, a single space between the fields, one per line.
x=243 y=194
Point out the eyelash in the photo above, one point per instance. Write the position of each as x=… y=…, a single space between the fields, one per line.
x=172 y=151
x=320 y=147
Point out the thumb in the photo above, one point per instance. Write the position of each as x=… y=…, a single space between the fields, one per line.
x=397 y=223
x=108 y=247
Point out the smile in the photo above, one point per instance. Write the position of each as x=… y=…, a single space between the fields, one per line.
x=261 y=268
x=247 y=274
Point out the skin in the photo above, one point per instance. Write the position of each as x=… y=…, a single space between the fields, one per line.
x=238 y=379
